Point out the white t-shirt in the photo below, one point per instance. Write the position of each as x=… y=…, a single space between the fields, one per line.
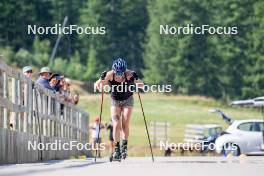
x=95 y=130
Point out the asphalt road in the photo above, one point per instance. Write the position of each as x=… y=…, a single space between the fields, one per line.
x=137 y=166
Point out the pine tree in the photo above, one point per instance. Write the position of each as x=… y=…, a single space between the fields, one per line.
x=125 y=23
x=235 y=49
x=254 y=79
x=186 y=61
x=71 y=9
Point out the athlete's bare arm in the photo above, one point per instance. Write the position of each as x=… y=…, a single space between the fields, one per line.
x=138 y=82
x=100 y=83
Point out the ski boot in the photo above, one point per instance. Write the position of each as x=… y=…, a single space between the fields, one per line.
x=124 y=149
x=116 y=156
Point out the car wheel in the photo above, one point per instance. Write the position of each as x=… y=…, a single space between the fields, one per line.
x=231 y=148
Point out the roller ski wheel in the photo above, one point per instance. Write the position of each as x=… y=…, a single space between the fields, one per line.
x=112 y=159
x=116 y=156
x=124 y=149
x=124 y=156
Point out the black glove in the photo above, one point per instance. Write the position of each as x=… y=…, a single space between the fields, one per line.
x=103 y=75
x=135 y=75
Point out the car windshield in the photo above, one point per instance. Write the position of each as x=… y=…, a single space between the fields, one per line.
x=212 y=131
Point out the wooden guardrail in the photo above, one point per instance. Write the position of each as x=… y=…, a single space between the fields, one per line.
x=31 y=113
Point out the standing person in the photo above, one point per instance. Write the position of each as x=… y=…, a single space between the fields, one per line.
x=111 y=138
x=27 y=71
x=95 y=134
x=44 y=76
x=121 y=102
x=75 y=98
x=54 y=82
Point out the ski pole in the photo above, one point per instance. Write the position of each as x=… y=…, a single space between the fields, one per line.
x=146 y=126
x=100 y=119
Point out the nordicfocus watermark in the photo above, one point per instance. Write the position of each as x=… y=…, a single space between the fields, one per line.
x=67 y=30
x=59 y=145
x=193 y=146
x=198 y=30
x=125 y=87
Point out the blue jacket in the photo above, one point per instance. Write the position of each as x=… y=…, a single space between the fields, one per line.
x=44 y=82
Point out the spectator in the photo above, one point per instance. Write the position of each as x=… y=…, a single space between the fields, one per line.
x=27 y=71
x=59 y=86
x=65 y=89
x=44 y=76
x=111 y=139
x=54 y=82
x=68 y=85
x=95 y=134
x=75 y=99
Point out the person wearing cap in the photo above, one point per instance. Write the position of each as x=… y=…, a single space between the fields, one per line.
x=44 y=76
x=54 y=82
x=27 y=71
x=95 y=134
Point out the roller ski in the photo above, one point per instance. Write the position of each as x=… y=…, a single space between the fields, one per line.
x=124 y=149
x=116 y=156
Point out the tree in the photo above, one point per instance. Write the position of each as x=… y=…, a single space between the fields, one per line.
x=235 y=49
x=186 y=61
x=22 y=58
x=125 y=23
x=93 y=66
x=14 y=17
x=72 y=9
x=75 y=69
x=41 y=50
x=254 y=79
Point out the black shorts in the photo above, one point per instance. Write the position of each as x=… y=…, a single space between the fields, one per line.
x=123 y=103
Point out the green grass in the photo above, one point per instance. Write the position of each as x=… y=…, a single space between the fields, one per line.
x=177 y=110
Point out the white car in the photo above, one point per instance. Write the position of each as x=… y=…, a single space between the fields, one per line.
x=241 y=137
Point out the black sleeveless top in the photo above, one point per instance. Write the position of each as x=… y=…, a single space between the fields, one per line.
x=122 y=93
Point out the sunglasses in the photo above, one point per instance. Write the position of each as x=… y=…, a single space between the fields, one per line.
x=30 y=71
x=120 y=74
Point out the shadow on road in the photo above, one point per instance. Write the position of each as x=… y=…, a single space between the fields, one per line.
x=54 y=165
